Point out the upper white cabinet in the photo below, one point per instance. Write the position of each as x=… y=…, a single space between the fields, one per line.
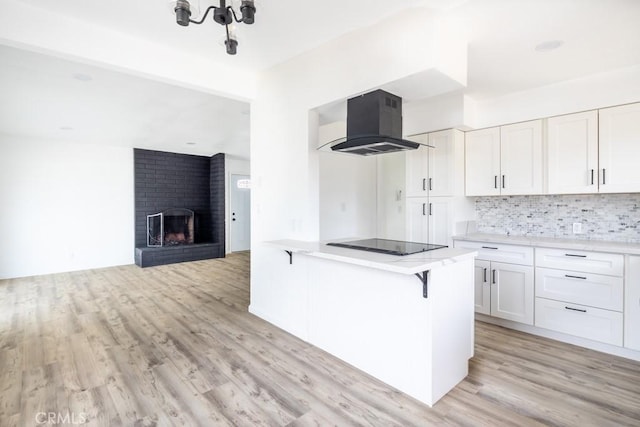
x=482 y=162
x=431 y=171
x=506 y=160
x=619 y=148
x=521 y=158
x=572 y=154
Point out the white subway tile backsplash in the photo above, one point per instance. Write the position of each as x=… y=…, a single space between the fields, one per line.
x=613 y=217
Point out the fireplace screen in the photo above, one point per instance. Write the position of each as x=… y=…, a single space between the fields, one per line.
x=170 y=227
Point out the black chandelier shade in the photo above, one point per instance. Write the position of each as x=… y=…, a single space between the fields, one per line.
x=223 y=15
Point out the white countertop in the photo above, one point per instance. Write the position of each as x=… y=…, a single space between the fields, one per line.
x=407 y=264
x=550 y=242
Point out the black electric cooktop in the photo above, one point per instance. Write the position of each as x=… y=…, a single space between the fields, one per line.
x=391 y=247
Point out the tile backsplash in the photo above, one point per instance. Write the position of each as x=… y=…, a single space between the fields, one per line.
x=614 y=217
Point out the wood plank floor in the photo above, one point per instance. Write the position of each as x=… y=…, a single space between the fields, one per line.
x=175 y=345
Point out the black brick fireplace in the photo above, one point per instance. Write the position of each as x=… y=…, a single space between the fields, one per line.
x=170 y=182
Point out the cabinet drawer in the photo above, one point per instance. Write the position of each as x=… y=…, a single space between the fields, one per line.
x=582 y=321
x=594 y=290
x=589 y=262
x=511 y=254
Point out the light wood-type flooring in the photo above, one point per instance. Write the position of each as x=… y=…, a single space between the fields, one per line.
x=175 y=345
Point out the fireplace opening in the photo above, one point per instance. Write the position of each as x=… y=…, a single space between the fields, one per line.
x=171 y=227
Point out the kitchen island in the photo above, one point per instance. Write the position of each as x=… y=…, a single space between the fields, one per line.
x=406 y=320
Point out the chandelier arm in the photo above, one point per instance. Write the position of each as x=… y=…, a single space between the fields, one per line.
x=233 y=12
x=209 y=9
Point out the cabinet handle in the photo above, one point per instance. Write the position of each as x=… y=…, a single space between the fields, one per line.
x=424 y=184
x=575 y=277
x=495 y=181
x=493 y=276
x=430 y=184
x=575 y=309
x=430 y=208
x=484 y=275
x=502 y=181
x=591 y=176
x=576 y=256
x=488 y=247
x=423 y=206
x=604 y=179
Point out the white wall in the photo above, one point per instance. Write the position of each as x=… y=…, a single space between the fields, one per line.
x=347 y=196
x=64 y=206
x=284 y=160
x=235 y=167
x=596 y=91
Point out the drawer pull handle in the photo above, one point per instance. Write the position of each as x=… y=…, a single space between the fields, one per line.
x=575 y=277
x=576 y=256
x=488 y=247
x=575 y=309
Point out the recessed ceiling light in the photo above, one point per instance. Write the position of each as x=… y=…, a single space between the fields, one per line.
x=191 y=143
x=549 y=45
x=82 y=77
x=65 y=128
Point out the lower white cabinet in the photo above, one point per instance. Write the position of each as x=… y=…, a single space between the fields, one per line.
x=503 y=289
x=512 y=292
x=580 y=320
x=482 y=287
x=595 y=290
x=632 y=304
x=586 y=294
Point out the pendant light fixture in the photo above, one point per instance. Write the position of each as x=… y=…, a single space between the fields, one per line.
x=223 y=15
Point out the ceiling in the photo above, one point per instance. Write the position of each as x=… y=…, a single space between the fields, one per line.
x=48 y=97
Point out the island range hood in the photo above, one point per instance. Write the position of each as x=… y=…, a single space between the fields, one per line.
x=374 y=125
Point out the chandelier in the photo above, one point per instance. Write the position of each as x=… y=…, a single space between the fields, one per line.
x=223 y=15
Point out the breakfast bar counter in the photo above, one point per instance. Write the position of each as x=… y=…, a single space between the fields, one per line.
x=406 y=320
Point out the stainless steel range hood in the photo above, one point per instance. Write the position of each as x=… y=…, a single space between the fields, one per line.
x=374 y=126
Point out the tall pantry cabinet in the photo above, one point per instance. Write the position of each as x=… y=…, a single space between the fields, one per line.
x=435 y=202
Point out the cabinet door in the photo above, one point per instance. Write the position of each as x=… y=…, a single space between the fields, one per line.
x=632 y=304
x=482 y=287
x=619 y=149
x=482 y=162
x=439 y=210
x=512 y=292
x=521 y=158
x=417 y=162
x=572 y=156
x=418 y=219
x=442 y=167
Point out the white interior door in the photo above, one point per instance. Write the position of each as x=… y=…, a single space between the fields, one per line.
x=240 y=209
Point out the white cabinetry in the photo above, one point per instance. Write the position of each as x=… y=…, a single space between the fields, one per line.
x=521 y=158
x=429 y=219
x=509 y=285
x=506 y=160
x=435 y=200
x=632 y=304
x=580 y=293
x=619 y=148
x=432 y=171
x=482 y=162
x=572 y=154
